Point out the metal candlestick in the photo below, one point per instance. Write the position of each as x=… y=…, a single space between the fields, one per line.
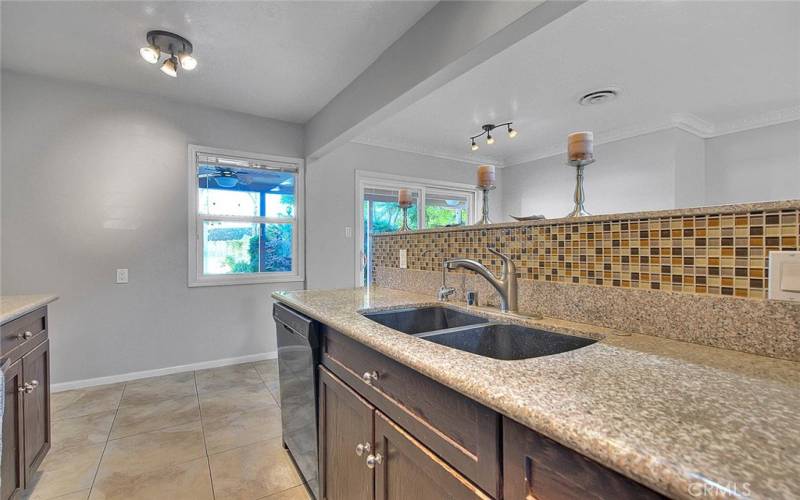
x=485 y=209
x=580 y=196
x=405 y=207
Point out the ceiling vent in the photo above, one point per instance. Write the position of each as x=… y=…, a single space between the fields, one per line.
x=598 y=97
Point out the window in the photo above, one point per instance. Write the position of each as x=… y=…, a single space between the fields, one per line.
x=245 y=224
x=436 y=204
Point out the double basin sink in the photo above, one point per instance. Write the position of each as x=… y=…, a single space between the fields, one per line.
x=476 y=334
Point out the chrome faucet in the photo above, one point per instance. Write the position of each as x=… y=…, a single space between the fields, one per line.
x=445 y=291
x=506 y=284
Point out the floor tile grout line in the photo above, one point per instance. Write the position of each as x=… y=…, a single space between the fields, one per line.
x=205 y=443
x=108 y=438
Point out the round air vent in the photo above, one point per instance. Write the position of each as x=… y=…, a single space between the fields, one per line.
x=598 y=97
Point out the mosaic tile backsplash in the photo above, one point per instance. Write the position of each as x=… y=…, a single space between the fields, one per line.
x=702 y=253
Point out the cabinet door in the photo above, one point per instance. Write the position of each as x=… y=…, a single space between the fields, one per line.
x=12 y=467
x=36 y=374
x=345 y=422
x=407 y=469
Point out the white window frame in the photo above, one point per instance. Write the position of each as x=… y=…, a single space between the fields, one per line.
x=367 y=179
x=196 y=277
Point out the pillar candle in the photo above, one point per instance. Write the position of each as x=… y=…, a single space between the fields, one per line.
x=486 y=175
x=404 y=197
x=580 y=145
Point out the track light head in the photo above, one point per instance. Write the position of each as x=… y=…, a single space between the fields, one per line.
x=187 y=61
x=170 y=67
x=489 y=139
x=474 y=145
x=511 y=132
x=150 y=54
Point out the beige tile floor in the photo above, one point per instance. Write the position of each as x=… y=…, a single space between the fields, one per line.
x=206 y=435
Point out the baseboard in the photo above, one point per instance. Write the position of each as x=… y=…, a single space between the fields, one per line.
x=125 y=377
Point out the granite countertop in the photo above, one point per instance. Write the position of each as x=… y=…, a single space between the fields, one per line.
x=675 y=416
x=14 y=306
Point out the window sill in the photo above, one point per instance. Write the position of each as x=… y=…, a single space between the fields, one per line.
x=259 y=280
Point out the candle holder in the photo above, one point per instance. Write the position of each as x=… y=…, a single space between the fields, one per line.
x=405 y=206
x=580 y=196
x=485 y=209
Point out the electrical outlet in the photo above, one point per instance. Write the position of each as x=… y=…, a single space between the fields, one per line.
x=122 y=275
x=348 y=232
x=403 y=258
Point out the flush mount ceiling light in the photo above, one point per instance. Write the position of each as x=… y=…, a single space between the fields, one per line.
x=178 y=52
x=598 y=97
x=487 y=130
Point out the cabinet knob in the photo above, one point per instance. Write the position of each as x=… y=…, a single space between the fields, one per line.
x=24 y=336
x=27 y=388
x=361 y=448
x=34 y=383
x=370 y=377
x=373 y=460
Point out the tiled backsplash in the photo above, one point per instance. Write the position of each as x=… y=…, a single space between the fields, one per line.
x=717 y=250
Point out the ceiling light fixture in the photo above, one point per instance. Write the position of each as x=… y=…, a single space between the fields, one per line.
x=487 y=130
x=177 y=49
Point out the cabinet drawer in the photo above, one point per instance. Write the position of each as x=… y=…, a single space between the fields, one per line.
x=461 y=431
x=537 y=467
x=30 y=329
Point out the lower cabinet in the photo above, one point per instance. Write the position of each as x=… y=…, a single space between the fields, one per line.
x=365 y=455
x=26 y=418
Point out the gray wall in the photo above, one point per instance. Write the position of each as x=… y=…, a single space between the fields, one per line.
x=662 y=170
x=330 y=188
x=95 y=179
x=757 y=165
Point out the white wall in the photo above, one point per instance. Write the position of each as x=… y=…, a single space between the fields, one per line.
x=663 y=170
x=330 y=189
x=631 y=175
x=94 y=179
x=757 y=165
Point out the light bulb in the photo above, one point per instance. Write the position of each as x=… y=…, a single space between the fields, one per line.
x=511 y=132
x=489 y=139
x=474 y=145
x=187 y=61
x=170 y=67
x=150 y=54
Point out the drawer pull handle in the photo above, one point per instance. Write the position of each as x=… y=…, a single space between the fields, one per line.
x=24 y=336
x=361 y=448
x=373 y=460
x=370 y=377
x=27 y=388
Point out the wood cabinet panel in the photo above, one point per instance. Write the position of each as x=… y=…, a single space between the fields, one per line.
x=26 y=330
x=13 y=459
x=463 y=432
x=535 y=467
x=408 y=470
x=36 y=376
x=346 y=420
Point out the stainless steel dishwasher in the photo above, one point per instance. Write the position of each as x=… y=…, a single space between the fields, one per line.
x=298 y=357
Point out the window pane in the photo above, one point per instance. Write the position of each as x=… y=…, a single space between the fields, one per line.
x=240 y=248
x=276 y=252
x=382 y=213
x=230 y=247
x=241 y=191
x=446 y=209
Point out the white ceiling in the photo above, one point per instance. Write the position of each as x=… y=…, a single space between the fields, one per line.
x=707 y=67
x=282 y=60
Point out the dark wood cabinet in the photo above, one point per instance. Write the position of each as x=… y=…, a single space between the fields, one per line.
x=36 y=407
x=345 y=422
x=13 y=461
x=537 y=467
x=409 y=470
x=26 y=421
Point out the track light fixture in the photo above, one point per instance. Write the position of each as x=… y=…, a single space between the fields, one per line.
x=177 y=49
x=487 y=131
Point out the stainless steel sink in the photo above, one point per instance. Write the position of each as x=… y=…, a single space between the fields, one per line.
x=508 y=342
x=415 y=320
